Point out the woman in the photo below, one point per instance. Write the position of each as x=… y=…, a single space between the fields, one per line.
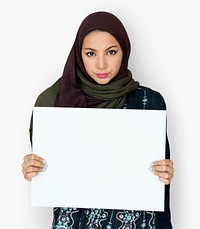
x=96 y=74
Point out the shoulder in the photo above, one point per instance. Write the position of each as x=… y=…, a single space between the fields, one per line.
x=146 y=98
x=47 y=97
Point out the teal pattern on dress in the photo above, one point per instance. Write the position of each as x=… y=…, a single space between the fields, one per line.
x=65 y=219
x=104 y=219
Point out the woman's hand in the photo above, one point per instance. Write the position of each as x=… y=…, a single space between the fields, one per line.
x=32 y=165
x=164 y=170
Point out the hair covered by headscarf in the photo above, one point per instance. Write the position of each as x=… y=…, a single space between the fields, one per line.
x=70 y=95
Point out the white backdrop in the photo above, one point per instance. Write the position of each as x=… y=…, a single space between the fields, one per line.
x=35 y=39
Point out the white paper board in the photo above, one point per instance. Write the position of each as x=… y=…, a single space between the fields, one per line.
x=98 y=158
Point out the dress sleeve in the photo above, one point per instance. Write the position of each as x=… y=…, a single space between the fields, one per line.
x=45 y=99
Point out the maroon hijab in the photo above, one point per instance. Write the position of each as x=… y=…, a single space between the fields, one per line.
x=70 y=95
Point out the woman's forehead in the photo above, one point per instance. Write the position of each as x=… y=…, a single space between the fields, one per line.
x=98 y=37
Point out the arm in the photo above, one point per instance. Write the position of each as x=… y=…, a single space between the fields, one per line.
x=33 y=164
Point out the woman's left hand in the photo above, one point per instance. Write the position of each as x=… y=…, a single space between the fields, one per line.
x=164 y=170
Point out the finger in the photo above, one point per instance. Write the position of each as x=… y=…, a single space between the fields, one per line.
x=31 y=169
x=31 y=172
x=33 y=163
x=164 y=175
x=163 y=162
x=165 y=181
x=33 y=157
x=33 y=160
x=163 y=168
x=164 y=172
x=166 y=178
x=29 y=176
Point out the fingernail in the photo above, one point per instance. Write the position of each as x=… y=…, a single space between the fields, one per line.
x=151 y=170
x=45 y=168
x=151 y=164
x=44 y=161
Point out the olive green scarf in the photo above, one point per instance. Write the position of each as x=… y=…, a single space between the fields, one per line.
x=111 y=95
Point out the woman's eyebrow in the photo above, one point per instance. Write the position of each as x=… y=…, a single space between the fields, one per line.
x=110 y=47
x=91 y=49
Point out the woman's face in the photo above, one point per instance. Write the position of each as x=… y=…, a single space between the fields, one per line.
x=102 y=56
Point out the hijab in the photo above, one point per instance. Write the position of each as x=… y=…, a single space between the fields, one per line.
x=77 y=88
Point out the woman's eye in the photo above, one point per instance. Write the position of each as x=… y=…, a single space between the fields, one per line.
x=112 y=52
x=90 y=54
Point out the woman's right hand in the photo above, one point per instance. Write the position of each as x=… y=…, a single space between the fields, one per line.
x=32 y=165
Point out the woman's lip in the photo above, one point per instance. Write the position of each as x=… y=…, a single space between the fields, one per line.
x=102 y=75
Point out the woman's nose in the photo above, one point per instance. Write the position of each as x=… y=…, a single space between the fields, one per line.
x=101 y=62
